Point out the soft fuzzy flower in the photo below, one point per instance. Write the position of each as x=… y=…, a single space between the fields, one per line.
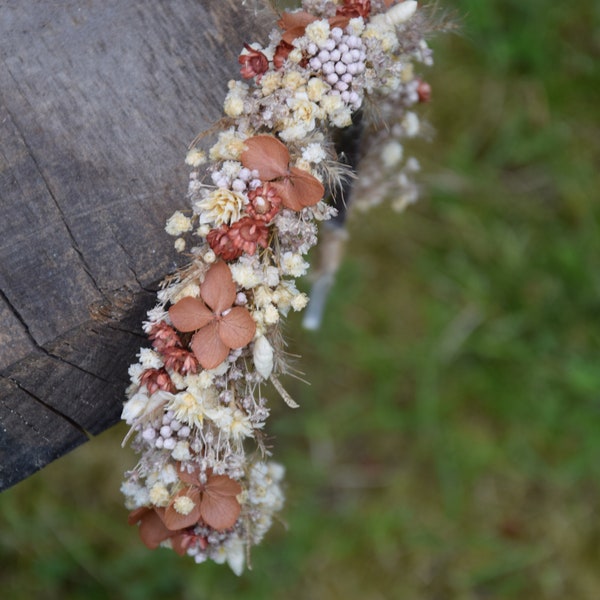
x=243 y=236
x=253 y=63
x=391 y=154
x=220 y=206
x=293 y=80
x=270 y=82
x=314 y=153
x=293 y=264
x=315 y=88
x=150 y=359
x=178 y=223
x=228 y=147
x=317 y=31
x=219 y=326
x=245 y=272
x=271 y=159
x=195 y=157
x=233 y=105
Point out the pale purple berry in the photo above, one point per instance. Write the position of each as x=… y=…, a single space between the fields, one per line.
x=340 y=68
x=328 y=68
x=315 y=63
x=332 y=78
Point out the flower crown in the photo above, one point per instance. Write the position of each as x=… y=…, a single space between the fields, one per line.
x=203 y=484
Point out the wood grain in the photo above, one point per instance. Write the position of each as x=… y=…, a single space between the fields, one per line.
x=98 y=102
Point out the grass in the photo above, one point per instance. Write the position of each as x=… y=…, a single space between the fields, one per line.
x=448 y=446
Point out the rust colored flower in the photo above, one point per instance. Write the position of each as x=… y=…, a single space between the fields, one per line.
x=180 y=360
x=163 y=336
x=153 y=530
x=222 y=244
x=157 y=379
x=355 y=8
x=424 y=91
x=230 y=242
x=219 y=325
x=296 y=188
x=254 y=63
x=281 y=53
x=264 y=203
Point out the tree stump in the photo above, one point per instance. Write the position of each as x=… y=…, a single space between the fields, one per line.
x=98 y=101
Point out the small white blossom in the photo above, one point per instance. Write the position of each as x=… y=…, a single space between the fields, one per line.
x=178 y=223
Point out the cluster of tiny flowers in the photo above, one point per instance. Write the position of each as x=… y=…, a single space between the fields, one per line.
x=204 y=485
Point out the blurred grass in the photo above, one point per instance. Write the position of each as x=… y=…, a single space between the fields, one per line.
x=448 y=445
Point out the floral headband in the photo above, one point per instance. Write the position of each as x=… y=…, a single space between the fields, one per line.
x=203 y=485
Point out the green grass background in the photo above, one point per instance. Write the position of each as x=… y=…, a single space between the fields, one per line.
x=448 y=446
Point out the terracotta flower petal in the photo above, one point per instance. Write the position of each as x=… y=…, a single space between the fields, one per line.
x=182 y=541
x=340 y=21
x=136 y=515
x=298 y=190
x=218 y=288
x=220 y=512
x=152 y=529
x=221 y=485
x=190 y=314
x=237 y=327
x=300 y=18
x=174 y=520
x=208 y=347
x=187 y=477
x=267 y=155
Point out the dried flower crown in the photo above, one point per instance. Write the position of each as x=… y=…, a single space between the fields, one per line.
x=203 y=485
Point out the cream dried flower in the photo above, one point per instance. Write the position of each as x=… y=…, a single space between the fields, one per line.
x=178 y=223
x=221 y=206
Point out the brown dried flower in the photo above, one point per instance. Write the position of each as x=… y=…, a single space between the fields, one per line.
x=355 y=8
x=243 y=236
x=296 y=188
x=254 y=63
x=219 y=325
x=157 y=379
x=264 y=203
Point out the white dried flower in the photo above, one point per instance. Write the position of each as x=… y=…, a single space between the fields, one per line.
x=195 y=157
x=179 y=244
x=299 y=301
x=317 y=31
x=263 y=356
x=178 y=223
x=411 y=124
x=184 y=505
x=159 y=495
x=271 y=314
x=293 y=264
x=391 y=154
x=314 y=153
x=149 y=359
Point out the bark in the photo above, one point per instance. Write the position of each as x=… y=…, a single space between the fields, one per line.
x=98 y=102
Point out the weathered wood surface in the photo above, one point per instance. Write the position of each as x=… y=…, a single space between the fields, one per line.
x=98 y=101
